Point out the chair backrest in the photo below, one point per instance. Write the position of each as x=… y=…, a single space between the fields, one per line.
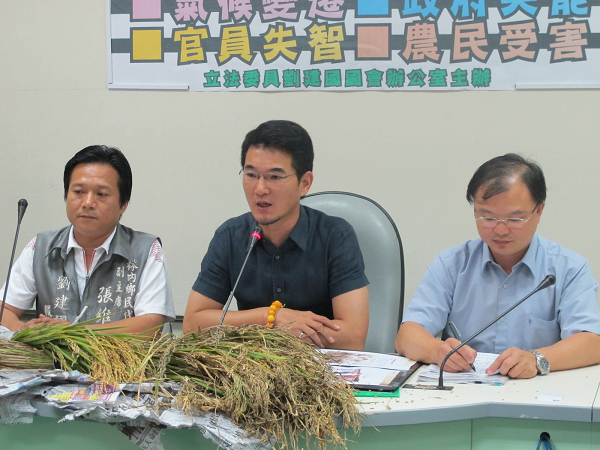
x=381 y=247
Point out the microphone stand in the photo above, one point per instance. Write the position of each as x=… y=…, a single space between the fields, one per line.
x=254 y=237
x=546 y=282
x=22 y=207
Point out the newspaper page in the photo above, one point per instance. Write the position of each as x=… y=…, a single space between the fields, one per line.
x=16 y=409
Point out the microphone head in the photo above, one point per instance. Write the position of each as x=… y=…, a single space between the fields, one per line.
x=22 y=208
x=255 y=236
x=549 y=280
x=546 y=282
x=257 y=232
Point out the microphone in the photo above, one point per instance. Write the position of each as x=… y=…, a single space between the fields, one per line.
x=22 y=205
x=546 y=282
x=254 y=237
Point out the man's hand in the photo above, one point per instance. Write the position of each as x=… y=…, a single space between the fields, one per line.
x=348 y=330
x=515 y=363
x=306 y=325
x=459 y=362
x=42 y=319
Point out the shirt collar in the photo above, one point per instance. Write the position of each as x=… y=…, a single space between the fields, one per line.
x=486 y=259
x=72 y=243
x=300 y=232
x=528 y=259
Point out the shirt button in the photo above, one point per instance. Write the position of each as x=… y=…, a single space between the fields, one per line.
x=277 y=257
x=278 y=289
x=505 y=286
x=502 y=320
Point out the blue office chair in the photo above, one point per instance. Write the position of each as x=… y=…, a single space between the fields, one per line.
x=381 y=247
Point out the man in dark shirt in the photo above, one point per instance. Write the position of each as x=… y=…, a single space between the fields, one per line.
x=307 y=260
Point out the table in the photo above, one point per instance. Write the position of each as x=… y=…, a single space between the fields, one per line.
x=476 y=417
x=491 y=417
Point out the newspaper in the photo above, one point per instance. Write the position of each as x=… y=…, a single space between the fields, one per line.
x=132 y=408
x=96 y=393
x=16 y=409
x=5 y=333
x=218 y=428
x=147 y=437
x=15 y=381
x=73 y=375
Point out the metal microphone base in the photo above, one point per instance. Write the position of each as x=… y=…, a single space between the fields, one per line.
x=428 y=387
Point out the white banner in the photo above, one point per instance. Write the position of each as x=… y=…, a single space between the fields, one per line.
x=345 y=45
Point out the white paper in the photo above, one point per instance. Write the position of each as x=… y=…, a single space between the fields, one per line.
x=483 y=361
x=368 y=359
x=553 y=398
x=477 y=376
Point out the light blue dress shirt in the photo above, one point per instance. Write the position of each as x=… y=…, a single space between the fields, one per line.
x=464 y=285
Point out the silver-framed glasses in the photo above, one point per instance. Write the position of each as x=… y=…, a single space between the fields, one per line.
x=510 y=222
x=250 y=176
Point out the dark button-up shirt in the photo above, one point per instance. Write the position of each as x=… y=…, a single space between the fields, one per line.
x=320 y=260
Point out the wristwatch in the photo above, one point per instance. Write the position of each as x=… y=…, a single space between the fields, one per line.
x=543 y=366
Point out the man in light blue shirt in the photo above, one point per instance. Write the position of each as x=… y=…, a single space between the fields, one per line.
x=556 y=329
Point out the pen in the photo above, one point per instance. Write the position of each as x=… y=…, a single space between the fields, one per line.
x=457 y=335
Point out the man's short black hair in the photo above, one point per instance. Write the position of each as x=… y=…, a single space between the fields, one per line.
x=101 y=154
x=284 y=135
x=496 y=176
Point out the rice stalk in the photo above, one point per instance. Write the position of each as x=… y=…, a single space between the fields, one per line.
x=268 y=382
x=16 y=355
x=110 y=358
x=272 y=384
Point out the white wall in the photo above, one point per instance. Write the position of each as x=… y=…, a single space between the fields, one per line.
x=413 y=152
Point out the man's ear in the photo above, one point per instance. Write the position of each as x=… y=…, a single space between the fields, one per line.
x=305 y=183
x=123 y=208
x=540 y=209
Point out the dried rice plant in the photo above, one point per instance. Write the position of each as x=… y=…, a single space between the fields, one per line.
x=110 y=358
x=16 y=355
x=268 y=382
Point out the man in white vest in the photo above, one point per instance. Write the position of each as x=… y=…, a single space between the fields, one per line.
x=95 y=268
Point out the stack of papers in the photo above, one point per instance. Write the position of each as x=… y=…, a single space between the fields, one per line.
x=477 y=376
x=373 y=371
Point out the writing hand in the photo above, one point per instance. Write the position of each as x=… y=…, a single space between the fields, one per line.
x=459 y=362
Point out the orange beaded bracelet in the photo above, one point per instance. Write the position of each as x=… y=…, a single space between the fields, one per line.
x=273 y=312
